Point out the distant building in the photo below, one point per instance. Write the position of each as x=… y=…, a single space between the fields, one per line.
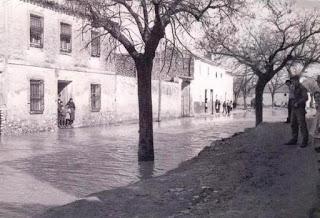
x=210 y=83
x=202 y=82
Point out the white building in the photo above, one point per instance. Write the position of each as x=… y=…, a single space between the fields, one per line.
x=209 y=84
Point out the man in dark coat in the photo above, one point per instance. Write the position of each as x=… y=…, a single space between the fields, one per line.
x=291 y=90
x=298 y=113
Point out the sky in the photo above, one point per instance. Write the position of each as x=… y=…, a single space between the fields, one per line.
x=309 y=3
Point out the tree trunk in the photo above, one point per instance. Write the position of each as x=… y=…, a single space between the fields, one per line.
x=235 y=100
x=144 y=69
x=244 y=95
x=245 y=105
x=259 y=100
x=272 y=99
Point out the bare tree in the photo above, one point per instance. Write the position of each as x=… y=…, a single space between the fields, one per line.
x=275 y=84
x=138 y=26
x=273 y=36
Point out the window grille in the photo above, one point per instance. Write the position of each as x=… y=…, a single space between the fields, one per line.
x=36 y=96
x=65 y=38
x=95 y=44
x=95 y=97
x=36 y=31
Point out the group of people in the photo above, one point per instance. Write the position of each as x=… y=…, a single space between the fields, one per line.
x=298 y=97
x=66 y=113
x=226 y=107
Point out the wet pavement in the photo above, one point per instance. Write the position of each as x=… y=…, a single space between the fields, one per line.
x=49 y=169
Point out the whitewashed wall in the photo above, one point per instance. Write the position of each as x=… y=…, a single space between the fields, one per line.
x=207 y=76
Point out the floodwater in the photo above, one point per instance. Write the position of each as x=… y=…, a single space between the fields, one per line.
x=48 y=169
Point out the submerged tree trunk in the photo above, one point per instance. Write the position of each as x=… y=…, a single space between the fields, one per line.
x=144 y=70
x=259 y=100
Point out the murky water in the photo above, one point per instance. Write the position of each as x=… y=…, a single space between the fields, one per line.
x=48 y=169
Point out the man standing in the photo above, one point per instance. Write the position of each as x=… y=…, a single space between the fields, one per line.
x=318 y=81
x=72 y=108
x=291 y=90
x=298 y=113
x=224 y=110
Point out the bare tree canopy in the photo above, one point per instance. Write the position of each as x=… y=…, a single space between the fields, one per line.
x=139 y=26
x=273 y=35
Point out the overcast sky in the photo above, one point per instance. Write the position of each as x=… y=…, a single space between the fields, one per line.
x=309 y=3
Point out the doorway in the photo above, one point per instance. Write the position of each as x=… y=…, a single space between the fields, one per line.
x=64 y=90
x=64 y=93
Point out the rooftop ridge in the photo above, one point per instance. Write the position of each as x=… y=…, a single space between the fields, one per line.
x=52 y=5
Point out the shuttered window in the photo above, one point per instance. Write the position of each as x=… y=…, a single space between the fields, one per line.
x=36 y=96
x=65 y=38
x=36 y=31
x=95 y=97
x=95 y=44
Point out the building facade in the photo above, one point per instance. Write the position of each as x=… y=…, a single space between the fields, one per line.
x=43 y=59
x=45 y=56
x=210 y=83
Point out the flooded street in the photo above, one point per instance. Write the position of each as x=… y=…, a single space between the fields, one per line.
x=48 y=169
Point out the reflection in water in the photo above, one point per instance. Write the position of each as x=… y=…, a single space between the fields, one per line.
x=146 y=169
x=70 y=133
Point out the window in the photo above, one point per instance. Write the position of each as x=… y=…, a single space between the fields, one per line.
x=95 y=97
x=95 y=44
x=36 y=31
x=65 y=38
x=36 y=96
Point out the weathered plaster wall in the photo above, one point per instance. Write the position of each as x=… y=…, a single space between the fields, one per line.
x=119 y=100
x=18 y=116
x=18 y=16
x=127 y=99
